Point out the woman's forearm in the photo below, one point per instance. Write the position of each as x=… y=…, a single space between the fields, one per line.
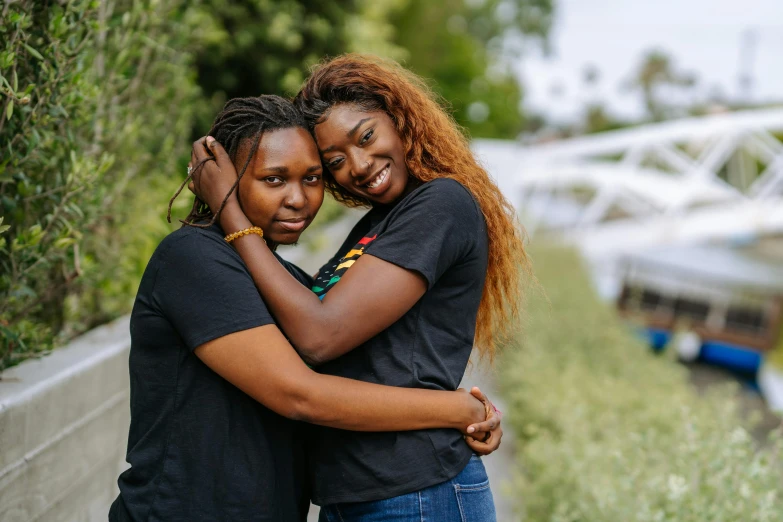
x=297 y=310
x=260 y=362
x=359 y=406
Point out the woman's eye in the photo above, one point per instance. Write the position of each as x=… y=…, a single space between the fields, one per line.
x=334 y=163
x=366 y=136
x=315 y=178
x=273 y=180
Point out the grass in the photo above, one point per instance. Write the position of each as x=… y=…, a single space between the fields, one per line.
x=610 y=432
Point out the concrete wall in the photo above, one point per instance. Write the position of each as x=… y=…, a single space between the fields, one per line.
x=64 y=429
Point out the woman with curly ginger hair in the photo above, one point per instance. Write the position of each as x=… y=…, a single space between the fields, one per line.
x=435 y=267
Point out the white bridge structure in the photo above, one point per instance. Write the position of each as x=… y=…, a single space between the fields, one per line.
x=716 y=178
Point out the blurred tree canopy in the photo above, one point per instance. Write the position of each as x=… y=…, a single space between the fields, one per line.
x=654 y=75
x=466 y=48
x=253 y=47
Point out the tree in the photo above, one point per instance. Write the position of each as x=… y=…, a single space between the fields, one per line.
x=656 y=73
x=96 y=102
x=465 y=47
x=253 y=47
x=598 y=119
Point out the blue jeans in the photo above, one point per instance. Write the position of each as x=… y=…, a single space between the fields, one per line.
x=465 y=498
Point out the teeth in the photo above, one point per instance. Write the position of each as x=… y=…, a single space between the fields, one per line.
x=380 y=179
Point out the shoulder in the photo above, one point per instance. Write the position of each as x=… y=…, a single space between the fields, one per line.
x=446 y=195
x=193 y=246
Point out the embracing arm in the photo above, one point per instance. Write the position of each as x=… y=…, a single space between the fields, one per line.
x=262 y=363
x=371 y=296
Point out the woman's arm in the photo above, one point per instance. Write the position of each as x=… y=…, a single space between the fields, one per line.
x=371 y=296
x=262 y=363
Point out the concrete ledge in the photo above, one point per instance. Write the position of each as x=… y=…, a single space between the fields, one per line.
x=63 y=429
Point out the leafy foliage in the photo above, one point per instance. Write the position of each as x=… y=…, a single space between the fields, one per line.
x=466 y=48
x=252 y=47
x=608 y=431
x=96 y=100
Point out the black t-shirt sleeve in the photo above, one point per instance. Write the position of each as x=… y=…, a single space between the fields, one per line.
x=431 y=230
x=206 y=292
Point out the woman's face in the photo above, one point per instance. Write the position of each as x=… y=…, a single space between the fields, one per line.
x=364 y=153
x=282 y=188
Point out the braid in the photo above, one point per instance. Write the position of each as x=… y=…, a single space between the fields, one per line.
x=242 y=121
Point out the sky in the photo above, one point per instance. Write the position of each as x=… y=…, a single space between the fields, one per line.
x=703 y=36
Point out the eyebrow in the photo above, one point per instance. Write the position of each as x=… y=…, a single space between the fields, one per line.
x=284 y=170
x=356 y=127
x=349 y=134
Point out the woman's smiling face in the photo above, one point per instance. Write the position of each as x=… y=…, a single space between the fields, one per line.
x=283 y=188
x=363 y=152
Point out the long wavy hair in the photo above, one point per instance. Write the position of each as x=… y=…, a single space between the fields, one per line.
x=435 y=147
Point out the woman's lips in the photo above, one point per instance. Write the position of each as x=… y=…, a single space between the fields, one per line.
x=384 y=177
x=293 y=226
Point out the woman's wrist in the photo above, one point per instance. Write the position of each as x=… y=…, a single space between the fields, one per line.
x=232 y=218
x=470 y=411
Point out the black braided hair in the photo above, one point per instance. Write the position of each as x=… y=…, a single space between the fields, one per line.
x=242 y=120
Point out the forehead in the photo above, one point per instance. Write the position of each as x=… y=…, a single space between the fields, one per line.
x=286 y=147
x=343 y=118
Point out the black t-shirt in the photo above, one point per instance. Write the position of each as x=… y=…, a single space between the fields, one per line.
x=199 y=448
x=437 y=230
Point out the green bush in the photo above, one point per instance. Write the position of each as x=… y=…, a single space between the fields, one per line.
x=609 y=432
x=97 y=102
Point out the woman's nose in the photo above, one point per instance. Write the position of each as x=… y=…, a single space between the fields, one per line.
x=360 y=165
x=295 y=197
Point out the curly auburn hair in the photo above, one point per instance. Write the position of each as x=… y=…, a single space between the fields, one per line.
x=435 y=147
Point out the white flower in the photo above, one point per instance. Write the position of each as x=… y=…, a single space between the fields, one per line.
x=678 y=486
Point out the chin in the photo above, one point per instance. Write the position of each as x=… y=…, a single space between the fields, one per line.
x=285 y=239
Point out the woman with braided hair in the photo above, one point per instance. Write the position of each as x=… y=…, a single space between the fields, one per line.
x=215 y=386
x=407 y=296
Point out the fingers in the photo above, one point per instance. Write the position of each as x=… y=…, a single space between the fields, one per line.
x=492 y=423
x=218 y=152
x=478 y=394
x=486 y=447
x=200 y=160
x=199 y=151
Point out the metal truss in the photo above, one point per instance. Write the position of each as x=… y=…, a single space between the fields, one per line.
x=656 y=176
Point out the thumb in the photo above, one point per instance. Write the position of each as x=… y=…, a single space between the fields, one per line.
x=477 y=393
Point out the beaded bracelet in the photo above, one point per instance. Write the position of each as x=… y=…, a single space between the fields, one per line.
x=245 y=231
